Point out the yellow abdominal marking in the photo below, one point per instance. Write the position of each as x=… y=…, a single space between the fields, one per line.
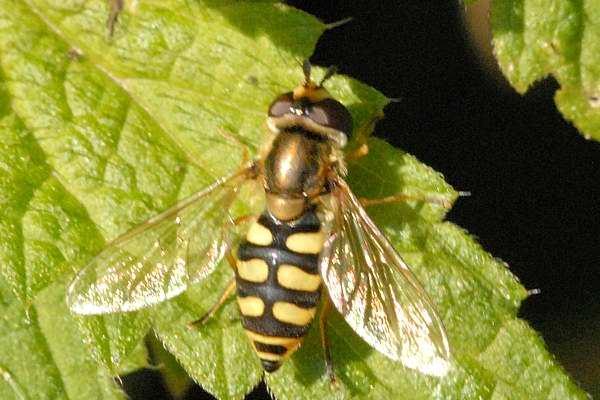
x=269 y=356
x=275 y=340
x=251 y=306
x=292 y=314
x=254 y=270
x=259 y=235
x=292 y=277
x=306 y=243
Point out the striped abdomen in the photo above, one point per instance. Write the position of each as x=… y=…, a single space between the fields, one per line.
x=278 y=284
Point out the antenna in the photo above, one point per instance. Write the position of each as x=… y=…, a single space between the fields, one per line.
x=306 y=67
x=331 y=71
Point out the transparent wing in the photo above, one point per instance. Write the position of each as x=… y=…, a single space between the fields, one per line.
x=160 y=258
x=375 y=291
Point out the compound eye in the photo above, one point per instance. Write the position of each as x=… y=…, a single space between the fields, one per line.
x=281 y=105
x=331 y=114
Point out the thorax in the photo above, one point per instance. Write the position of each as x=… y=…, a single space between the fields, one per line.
x=296 y=167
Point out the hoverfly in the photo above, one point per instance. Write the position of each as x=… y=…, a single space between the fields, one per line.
x=314 y=241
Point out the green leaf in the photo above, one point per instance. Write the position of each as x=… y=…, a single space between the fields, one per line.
x=174 y=376
x=44 y=230
x=100 y=134
x=536 y=38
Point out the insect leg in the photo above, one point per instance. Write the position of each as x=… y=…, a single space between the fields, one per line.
x=405 y=197
x=116 y=6
x=237 y=141
x=244 y=219
x=224 y=296
x=359 y=152
x=325 y=340
x=362 y=135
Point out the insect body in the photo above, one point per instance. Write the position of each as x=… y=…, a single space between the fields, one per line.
x=277 y=278
x=313 y=241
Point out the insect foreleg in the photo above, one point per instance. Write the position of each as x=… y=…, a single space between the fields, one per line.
x=237 y=141
x=362 y=135
x=215 y=307
x=359 y=152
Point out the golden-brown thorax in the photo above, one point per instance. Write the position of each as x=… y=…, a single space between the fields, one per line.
x=295 y=171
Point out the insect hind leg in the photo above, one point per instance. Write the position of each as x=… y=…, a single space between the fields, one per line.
x=215 y=307
x=115 y=8
x=325 y=340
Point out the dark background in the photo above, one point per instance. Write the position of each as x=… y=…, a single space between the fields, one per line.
x=535 y=181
